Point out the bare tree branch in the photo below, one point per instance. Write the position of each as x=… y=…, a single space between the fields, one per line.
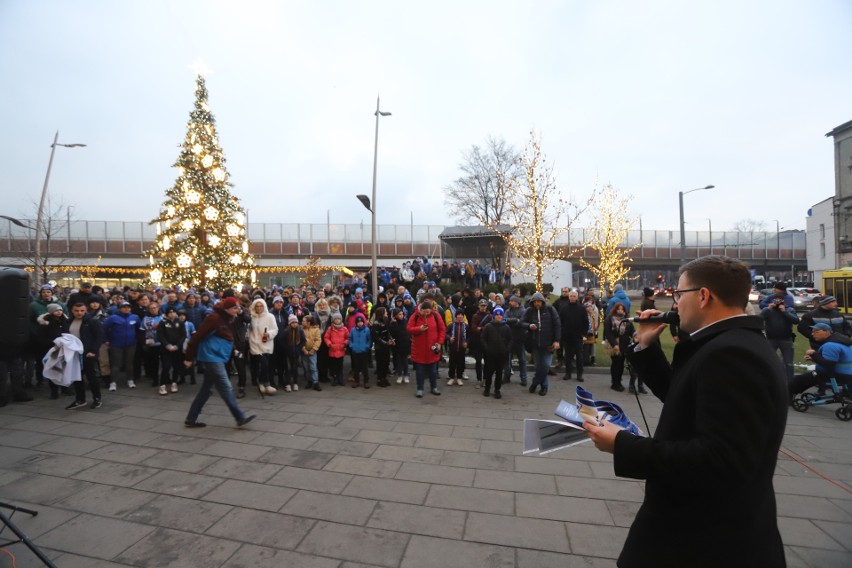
x=480 y=193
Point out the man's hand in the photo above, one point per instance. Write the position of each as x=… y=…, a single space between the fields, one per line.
x=187 y=364
x=555 y=346
x=603 y=437
x=648 y=333
x=90 y=355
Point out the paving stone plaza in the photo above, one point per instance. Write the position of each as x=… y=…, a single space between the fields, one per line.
x=348 y=478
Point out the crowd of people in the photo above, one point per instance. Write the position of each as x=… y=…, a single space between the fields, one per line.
x=283 y=339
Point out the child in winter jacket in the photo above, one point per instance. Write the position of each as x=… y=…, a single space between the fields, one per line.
x=360 y=343
x=496 y=340
x=336 y=339
x=400 y=344
x=294 y=341
x=381 y=338
x=313 y=340
x=457 y=343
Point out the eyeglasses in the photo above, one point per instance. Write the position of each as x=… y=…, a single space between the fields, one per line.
x=676 y=294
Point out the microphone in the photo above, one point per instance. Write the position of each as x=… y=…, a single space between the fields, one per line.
x=664 y=317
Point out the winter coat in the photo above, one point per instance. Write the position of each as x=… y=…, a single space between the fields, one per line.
x=496 y=340
x=281 y=323
x=514 y=318
x=833 y=318
x=49 y=328
x=62 y=363
x=120 y=329
x=618 y=334
x=575 y=321
x=423 y=341
x=294 y=340
x=779 y=325
x=171 y=332
x=149 y=328
x=457 y=336
x=336 y=338
x=214 y=341
x=477 y=324
x=91 y=333
x=402 y=340
x=259 y=323
x=380 y=334
x=360 y=339
x=313 y=340
x=619 y=296
x=834 y=357
x=548 y=327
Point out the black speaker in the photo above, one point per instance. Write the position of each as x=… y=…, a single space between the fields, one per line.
x=14 y=307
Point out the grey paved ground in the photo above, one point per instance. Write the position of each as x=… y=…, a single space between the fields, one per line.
x=348 y=478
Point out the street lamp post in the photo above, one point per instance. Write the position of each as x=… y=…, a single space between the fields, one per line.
x=40 y=214
x=710 y=230
x=680 y=195
x=374 y=279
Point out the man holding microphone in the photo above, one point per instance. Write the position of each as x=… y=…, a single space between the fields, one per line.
x=709 y=499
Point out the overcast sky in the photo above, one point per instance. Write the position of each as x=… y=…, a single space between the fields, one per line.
x=652 y=96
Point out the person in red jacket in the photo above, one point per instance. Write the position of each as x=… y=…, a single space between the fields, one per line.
x=427 y=331
x=336 y=338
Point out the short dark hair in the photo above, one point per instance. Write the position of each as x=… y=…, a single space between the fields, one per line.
x=79 y=304
x=728 y=278
x=426 y=305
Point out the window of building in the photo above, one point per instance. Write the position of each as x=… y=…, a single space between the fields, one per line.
x=822 y=231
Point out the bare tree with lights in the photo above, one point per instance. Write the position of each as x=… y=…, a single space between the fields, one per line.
x=538 y=214
x=749 y=226
x=607 y=234
x=201 y=228
x=480 y=193
x=55 y=228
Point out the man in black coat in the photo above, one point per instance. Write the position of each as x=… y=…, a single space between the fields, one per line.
x=575 y=326
x=710 y=463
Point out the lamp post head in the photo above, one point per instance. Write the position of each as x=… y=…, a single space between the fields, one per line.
x=382 y=113
x=365 y=201
x=709 y=187
x=74 y=145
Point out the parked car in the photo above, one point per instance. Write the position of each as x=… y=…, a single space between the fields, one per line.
x=806 y=292
x=754 y=295
x=765 y=293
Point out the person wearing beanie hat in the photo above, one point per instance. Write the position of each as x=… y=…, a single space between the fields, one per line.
x=400 y=344
x=648 y=300
x=428 y=332
x=50 y=325
x=545 y=333
x=514 y=318
x=496 y=341
x=833 y=359
x=336 y=339
x=360 y=343
x=213 y=345
x=293 y=342
x=826 y=313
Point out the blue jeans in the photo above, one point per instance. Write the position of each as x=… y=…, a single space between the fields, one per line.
x=309 y=362
x=215 y=375
x=542 y=358
x=517 y=349
x=423 y=369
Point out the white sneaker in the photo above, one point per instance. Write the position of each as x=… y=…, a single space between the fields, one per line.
x=287 y=388
x=174 y=387
x=131 y=384
x=451 y=382
x=271 y=390
x=295 y=388
x=465 y=377
x=478 y=384
x=405 y=379
x=399 y=380
x=163 y=391
x=263 y=389
x=112 y=387
x=459 y=382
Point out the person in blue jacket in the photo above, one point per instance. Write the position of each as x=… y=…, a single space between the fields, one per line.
x=120 y=334
x=360 y=343
x=618 y=295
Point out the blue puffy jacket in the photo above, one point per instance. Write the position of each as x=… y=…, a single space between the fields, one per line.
x=120 y=329
x=360 y=339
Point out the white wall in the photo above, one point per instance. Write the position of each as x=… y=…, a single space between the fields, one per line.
x=820 y=237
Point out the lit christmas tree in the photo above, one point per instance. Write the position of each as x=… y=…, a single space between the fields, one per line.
x=201 y=228
x=608 y=234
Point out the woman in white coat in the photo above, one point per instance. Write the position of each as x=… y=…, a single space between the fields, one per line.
x=262 y=331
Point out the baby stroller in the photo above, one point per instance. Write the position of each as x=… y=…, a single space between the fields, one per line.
x=840 y=394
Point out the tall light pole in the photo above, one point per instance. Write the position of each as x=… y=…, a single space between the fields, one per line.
x=680 y=195
x=710 y=230
x=374 y=279
x=40 y=215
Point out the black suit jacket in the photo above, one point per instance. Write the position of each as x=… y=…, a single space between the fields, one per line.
x=709 y=499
